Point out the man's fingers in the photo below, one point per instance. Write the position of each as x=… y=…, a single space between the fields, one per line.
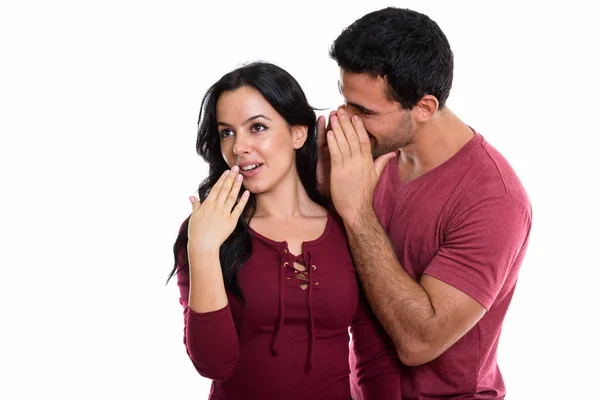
x=334 y=151
x=321 y=133
x=349 y=132
x=332 y=114
x=381 y=162
x=340 y=138
x=362 y=135
x=321 y=126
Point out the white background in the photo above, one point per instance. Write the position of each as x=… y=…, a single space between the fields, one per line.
x=98 y=110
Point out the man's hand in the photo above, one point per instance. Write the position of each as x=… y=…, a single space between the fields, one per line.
x=354 y=173
x=324 y=161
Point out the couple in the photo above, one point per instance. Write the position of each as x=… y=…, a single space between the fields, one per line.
x=412 y=238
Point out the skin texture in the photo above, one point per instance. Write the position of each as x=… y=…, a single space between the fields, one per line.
x=425 y=317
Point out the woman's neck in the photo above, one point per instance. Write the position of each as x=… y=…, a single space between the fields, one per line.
x=285 y=202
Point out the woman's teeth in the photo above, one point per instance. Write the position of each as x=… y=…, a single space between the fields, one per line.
x=249 y=167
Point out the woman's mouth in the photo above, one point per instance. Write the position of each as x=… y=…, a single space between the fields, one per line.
x=250 y=170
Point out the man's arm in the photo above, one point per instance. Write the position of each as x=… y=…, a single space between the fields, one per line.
x=423 y=318
x=481 y=244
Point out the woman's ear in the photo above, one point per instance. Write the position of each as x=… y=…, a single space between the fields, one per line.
x=299 y=135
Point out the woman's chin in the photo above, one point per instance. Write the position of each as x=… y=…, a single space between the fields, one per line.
x=254 y=189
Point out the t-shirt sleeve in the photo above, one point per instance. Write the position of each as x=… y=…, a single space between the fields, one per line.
x=210 y=338
x=481 y=246
x=373 y=359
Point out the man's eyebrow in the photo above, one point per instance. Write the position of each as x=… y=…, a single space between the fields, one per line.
x=246 y=121
x=360 y=108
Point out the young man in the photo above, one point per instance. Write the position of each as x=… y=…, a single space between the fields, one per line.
x=439 y=222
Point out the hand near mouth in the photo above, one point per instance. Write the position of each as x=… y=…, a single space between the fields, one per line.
x=214 y=220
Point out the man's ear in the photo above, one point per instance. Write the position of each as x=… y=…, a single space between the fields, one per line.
x=299 y=135
x=425 y=108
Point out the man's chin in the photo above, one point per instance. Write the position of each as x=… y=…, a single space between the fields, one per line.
x=374 y=149
x=379 y=148
x=377 y=152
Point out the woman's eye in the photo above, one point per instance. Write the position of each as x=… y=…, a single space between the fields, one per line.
x=225 y=133
x=258 y=128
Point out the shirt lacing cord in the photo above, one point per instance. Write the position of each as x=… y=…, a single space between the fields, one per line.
x=310 y=315
x=306 y=257
x=274 y=347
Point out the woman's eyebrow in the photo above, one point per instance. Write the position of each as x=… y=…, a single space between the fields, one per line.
x=246 y=121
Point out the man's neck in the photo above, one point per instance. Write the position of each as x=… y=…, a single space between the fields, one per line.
x=434 y=143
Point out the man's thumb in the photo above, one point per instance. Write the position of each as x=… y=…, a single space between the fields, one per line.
x=381 y=161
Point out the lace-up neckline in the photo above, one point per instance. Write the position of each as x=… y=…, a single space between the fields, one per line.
x=306 y=276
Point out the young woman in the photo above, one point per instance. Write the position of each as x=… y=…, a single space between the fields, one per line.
x=267 y=283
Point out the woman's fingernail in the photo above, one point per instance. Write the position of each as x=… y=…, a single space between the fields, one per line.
x=192 y=199
x=235 y=169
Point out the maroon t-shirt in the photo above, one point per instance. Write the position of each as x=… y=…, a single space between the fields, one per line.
x=467 y=224
x=287 y=342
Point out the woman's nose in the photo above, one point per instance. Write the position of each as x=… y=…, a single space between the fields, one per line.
x=241 y=145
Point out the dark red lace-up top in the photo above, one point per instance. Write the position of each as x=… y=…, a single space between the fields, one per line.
x=290 y=339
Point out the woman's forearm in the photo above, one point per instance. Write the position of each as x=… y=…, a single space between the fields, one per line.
x=207 y=289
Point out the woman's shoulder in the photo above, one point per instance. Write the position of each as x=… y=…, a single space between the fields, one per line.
x=335 y=231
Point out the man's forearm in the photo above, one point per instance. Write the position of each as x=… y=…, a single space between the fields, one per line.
x=402 y=305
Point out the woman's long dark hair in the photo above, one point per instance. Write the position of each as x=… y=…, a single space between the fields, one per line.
x=286 y=96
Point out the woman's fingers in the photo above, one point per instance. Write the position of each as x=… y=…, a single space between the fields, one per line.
x=224 y=194
x=227 y=186
x=233 y=193
x=237 y=211
x=214 y=192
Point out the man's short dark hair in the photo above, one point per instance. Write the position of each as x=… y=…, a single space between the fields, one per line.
x=405 y=47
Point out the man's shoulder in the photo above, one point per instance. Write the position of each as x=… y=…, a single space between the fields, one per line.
x=492 y=175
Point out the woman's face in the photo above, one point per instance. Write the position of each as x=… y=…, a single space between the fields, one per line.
x=250 y=129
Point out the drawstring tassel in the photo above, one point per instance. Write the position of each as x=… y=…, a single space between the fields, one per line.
x=309 y=365
x=274 y=346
